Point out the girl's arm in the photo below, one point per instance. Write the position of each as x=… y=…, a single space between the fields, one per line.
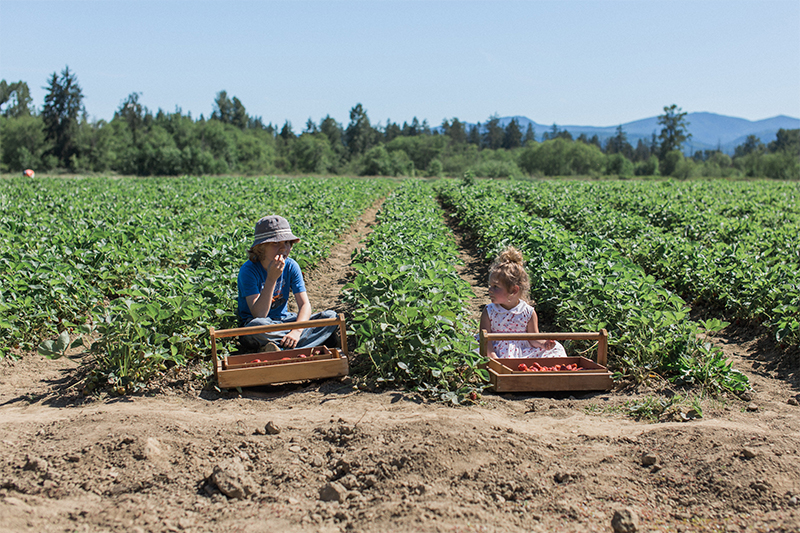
x=486 y=324
x=533 y=327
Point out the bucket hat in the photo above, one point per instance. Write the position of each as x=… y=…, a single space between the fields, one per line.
x=273 y=228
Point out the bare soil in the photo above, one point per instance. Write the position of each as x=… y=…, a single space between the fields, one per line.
x=342 y=459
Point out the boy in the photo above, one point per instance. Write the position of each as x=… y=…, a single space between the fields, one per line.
x=265 y=281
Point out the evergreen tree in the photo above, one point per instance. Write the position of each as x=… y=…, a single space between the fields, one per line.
x=223 y=108
x=642 y=151
x=239 y=116
x=751 y=145
x=333 y=131
x=456 y=130
x=494 y=134
x=618 y=144
x=286 y=132
x=359 y=136
x=392 y=131
x=512 y=137
x=474 y=136
x=786 y=141
x=62 y=106
x=674 y=132
x=311 y=126
x=425 y=128
x=530 y=134
x=132 y=113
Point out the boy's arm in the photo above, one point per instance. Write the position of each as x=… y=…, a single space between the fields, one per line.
x=261 y=302
x=303 y=313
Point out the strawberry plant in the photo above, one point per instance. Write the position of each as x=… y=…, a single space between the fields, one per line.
x=146 y=266
x=410 y=313
x=585 y=284
x=715 y=244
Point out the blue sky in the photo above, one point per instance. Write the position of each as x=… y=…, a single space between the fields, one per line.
x=590 y=62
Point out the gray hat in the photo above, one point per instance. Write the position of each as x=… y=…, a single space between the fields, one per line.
x=273 y=228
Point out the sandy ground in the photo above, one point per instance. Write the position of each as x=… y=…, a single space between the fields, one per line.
x=185 y=457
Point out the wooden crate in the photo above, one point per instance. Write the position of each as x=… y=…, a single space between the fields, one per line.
x=505 y=376
x=265 y=368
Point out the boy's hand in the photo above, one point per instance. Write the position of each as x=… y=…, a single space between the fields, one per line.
x=276 y=266
x=290 y=340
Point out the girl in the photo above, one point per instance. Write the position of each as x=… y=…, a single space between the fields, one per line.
x=507 y=313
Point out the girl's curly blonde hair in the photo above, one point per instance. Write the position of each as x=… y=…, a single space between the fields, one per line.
x=508 y=269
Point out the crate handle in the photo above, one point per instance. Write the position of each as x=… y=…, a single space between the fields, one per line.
x=601 y=337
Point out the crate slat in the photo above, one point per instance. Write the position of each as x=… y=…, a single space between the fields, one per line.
x=240 y=371
x=505 y=377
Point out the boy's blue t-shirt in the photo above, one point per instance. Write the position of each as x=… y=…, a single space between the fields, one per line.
x=252 y=278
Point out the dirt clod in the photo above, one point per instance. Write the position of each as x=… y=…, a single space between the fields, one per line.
x=625 y=521
x=36 y=464
x=749 y=453
x=649 y=459
x=333 y=492
x=232 y=480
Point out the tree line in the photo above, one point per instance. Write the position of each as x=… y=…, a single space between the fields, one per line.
x=138 y=141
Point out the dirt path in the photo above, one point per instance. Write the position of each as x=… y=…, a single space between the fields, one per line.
x=345 y=460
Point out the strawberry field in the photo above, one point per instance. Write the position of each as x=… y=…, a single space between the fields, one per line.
x=136 y=270
x=139 y=269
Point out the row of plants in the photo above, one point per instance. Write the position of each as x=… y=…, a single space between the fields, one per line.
x=137 y=270
x=584 y=283
x=706 y=209
x=410 y=306
x=732 y=257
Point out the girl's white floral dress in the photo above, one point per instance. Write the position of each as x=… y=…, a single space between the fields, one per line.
x=516 y=321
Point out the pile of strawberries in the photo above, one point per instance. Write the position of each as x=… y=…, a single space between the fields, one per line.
x=536 y=367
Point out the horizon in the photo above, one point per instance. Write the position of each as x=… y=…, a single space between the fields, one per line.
x=589 y=63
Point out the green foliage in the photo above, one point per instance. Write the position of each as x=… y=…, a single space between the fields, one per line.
x=359 y=136
x=23 y=143
x=648 y=167
x=670 y=162
x=140 y=142
x=410 y=314
x=561 y=157
x=723 y=246
x=786 y=141
x=435 y=169
x=586 y=284
x=312 y=153
x=420 y=149
x=674 y=132
x=619 y=165
x=62 y=105
x=379 y=162
x=54 y=349
x=148 y=265
x=16 y=98
x=493 y=168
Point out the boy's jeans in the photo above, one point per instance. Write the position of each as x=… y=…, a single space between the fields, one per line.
x=309 y=337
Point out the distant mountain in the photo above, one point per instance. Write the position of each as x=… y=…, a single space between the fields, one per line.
x=709 y=130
